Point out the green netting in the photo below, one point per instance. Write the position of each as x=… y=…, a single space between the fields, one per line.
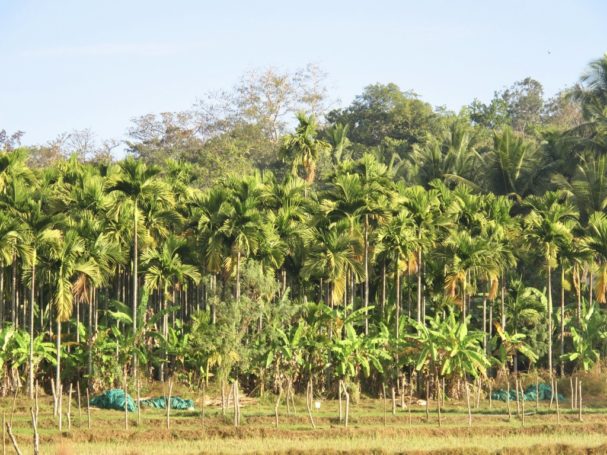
x=114 y=399
x=161 y=402
x=544 y=391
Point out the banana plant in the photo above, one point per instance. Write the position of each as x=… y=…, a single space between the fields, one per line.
x=586 y=337
x=354 y=353
x=506 y=345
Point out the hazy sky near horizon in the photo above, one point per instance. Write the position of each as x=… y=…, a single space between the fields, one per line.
x=74 y=64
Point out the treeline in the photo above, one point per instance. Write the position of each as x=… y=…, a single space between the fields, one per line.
x=390 y=239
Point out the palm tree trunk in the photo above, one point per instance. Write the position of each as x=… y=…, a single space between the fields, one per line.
x=135 y=273
x=14 y=318
x=397 y=292
x=579 y=293
x=419 y=285
x=590 y=289
x=238 y=277
x=485 y=322
x=366 y=272
x=31 y=348
x=549 y=283
x=2 y=302
x=58 y=359
x=383 y=286
x=464 y=294
x=490 y=328
x=503 y=302
x=562 y=365
x=89 y=338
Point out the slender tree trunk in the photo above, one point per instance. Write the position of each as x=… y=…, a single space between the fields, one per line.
x=562 y=346
x=419 y=285
x=503 y=302
x=89 y=341
x=549 y=291
x=578 y=293
x=14 y=306
x=490 y=328
x=58 y=360
x=135 y=283
x=383 y=286
x=397 y=292
x=31 y=347
x=485 y=323
x=468 y=404
x=366 y=272
x=2 y=302
x=238 y=277
x=464 y=284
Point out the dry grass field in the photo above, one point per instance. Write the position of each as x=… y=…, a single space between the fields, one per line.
x=370 y=430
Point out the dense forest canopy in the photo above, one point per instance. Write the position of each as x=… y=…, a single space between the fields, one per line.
x=266 y=236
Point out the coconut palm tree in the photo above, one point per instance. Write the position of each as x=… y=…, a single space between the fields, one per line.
x=512 y=165
x=451 y=156
x=592 y=88
x=588 y=184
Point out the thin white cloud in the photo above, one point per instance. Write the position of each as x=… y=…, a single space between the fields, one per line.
x=113 y=50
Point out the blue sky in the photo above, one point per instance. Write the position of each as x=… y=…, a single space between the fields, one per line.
x=97 y=64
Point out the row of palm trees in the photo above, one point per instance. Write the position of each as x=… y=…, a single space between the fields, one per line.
x=74 y=237
x=126 y=262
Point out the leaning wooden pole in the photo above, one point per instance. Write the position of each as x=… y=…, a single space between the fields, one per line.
x=168 y=403
x=69 y=409
x=88 y=408
x=9 y=429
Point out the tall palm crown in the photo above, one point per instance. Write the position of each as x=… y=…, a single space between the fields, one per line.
x=303 y=148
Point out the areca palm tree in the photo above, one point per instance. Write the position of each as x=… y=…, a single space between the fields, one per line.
x=333 y=253
x=66 y=259
x=11 y=244
x=526 y=308
x=13 y=168
x=374 y=198
x=548 y=228
x=468 y=258
x=303 y=148
x=424 y=209
x=40 y=232
x=243 y=225
x=503 y=232
x=337 y=137
x=167 y=271
x=596 y=242
x=397 y=243
x=139 y=184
